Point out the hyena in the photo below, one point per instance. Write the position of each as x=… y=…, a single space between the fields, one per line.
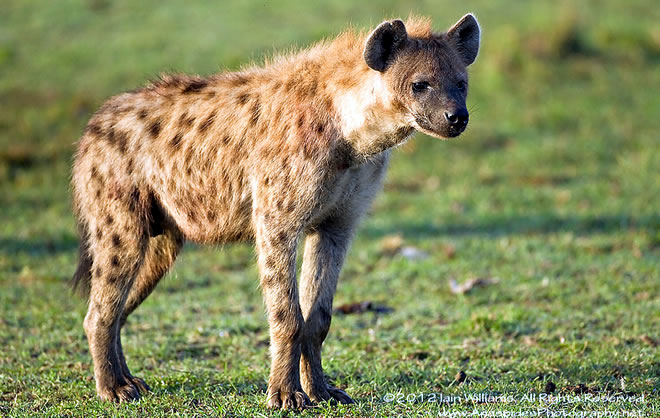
x=297 y=147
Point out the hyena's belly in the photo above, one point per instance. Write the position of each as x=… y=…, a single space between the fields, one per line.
x=210 y=202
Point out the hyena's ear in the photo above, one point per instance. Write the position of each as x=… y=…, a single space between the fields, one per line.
x=383 y=43
x=466 y=35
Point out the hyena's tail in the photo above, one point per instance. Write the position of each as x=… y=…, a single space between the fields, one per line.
x=81 y=281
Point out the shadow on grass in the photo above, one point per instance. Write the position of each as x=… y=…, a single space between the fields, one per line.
x=521 y=225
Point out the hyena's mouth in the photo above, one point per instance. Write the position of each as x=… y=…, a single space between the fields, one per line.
x=444 y=131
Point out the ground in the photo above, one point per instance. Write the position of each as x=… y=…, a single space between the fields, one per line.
x=554 y=190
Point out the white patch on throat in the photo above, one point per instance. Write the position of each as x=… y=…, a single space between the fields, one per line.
x=366 y=112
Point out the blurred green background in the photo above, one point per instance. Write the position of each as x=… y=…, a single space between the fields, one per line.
x=554 y=189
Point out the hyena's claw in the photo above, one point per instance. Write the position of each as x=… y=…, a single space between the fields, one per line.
x=124 y=393
x=339 y=395
x=331 y=394
x=141 y=385
x=288 y=400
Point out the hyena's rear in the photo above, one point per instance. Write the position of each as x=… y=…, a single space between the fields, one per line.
x=269 y=154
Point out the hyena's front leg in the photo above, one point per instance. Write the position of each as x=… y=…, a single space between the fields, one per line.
x=325 y=249
x=276 y=244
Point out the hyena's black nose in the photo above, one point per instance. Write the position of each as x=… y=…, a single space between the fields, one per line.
x=458 y=118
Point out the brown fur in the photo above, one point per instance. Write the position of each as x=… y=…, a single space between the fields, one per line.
x=296 y=148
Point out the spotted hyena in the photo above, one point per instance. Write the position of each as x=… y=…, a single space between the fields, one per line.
x=298 y=147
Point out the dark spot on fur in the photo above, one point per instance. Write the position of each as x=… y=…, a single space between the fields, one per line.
x=268 y=280
x=290 y=84
x=319 y=128
x=121 y=138
x=130 y=166
x=109 y=220
x=281 y=315
x=226 y=139
x=115 y=260
x=243 y=98
x=290 y=207
x=270 y=263
x=98 y=193
x=94 y=129
x=282 y=238
x=112 y=279
x=210 y=215
x=206 y=124
x=99 y=233
x=176 y=141
x=98 y=272
x=142 y=114
x=240 y=80
x=255 y=113
x=94 y=173
x=195 y=86
x=154 y=128
x=110 y=135
x=185 y=121
x=266 y=181
x=116 y=241
x=301 y=121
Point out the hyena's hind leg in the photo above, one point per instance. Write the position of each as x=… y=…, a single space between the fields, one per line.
x=325 y=250
x=117 y=245
x=159 y=257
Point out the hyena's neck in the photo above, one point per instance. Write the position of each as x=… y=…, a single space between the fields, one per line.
x=370 y=117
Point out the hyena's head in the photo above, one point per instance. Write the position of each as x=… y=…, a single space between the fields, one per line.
x=427 y=75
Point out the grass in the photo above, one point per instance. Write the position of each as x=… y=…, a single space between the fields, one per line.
x=554 y=189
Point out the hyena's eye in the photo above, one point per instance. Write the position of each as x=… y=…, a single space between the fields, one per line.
x=462 y=86
x=420 y=86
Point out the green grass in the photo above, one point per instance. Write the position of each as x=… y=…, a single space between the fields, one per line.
x=554 y=189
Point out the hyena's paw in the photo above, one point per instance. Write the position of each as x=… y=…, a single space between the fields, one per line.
x=288 y=399
x=339 y=395
x=122 y=393
x=331 y=394
x=140 y=384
